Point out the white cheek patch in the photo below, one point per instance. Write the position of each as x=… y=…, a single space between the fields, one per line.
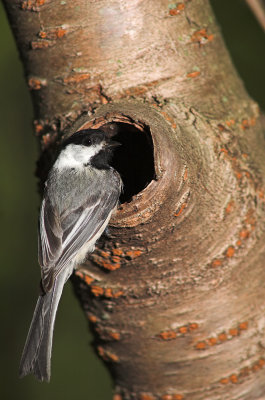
x=75 y=156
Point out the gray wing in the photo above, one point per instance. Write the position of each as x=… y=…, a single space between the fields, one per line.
x=62 y=235
x=50 y=234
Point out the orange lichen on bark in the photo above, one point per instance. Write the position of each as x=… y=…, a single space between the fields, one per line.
x=180 y=210
x=193 y=326
x=117 y=252
x=247 y=123
x=230 y=252
x=244 y=234
x=168 y=335
x=222 y=337
x=133 y=253
x=140 y=90
x=107 y=355
x=76 y=78
x=79 y=274
x=238 y=175
x=117 y=397
x=243 y=326
x=92 y=318
x=185 y=176
x=42 y=34
x=36 y=83
x=258 y=365
x=105 y=261
x=183 y=329
x=115 y=335
x=118 y=294
x=100 y=351
x=41 y=44
x=229 y=207
x=233 y=332
x=54 y=33
x=38 y=127
x=221 y=127
x=177 y=9
x=193 y=74
x=107 y=334
x=103 y=99
x=217 y=262
x=212 y=341
x=201 y=36
x=146 y=396
x=230 y=122
x=223 y=150
x=32 y=5
x=136 y=91
x=201 y=345
x=46 y=140
x=155 y=106
x=235 y=163
x=244 y=372
x=224 y=381
x=110 y=266
x=85 y=277
x=104 y=254
x=60 y=32
x=169 y=119
x=112 y=357
x=116 y=259
x=108 y=292
x=97 y=290
x=88 y=279
x=233 y=378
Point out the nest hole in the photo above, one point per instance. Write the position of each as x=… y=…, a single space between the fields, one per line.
x=134 y=159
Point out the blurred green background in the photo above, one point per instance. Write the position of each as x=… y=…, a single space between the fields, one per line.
x=76 y=371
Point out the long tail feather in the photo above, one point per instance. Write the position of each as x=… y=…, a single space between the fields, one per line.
x=36 y=356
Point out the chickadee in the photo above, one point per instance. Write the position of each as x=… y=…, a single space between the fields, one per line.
x=81 y=192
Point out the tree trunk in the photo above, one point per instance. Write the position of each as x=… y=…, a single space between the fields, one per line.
x=175 y=293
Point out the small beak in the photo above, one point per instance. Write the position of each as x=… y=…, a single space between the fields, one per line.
x=113 y=144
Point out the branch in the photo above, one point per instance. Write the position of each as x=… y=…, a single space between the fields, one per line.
x=175 y=295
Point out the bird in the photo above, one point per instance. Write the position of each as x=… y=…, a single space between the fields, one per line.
x=81 y=192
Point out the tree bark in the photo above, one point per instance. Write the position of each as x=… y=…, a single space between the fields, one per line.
x=175 y=294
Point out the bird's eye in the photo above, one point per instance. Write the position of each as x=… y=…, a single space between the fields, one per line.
x=88 y=142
